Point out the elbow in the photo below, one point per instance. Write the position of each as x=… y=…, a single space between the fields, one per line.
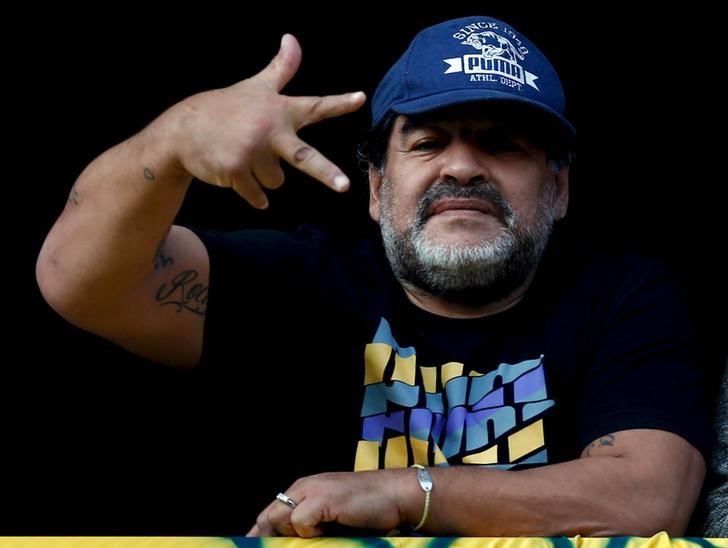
x=47 y=277
x=60 y=289
x=638 y=521
x=672 y=516
x=644 y=525
x=664 y=506
x=665 y=492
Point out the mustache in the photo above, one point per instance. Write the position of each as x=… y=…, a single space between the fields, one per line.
x=481 y=191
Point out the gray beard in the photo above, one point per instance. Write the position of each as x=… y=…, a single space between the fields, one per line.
x=470 y=274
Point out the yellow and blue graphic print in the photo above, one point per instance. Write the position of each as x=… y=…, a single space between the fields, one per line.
x=448 y=413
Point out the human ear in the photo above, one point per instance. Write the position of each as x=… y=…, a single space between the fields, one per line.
x=561 y=203
x=375 y=185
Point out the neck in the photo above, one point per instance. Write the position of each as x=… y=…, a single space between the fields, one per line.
x=448 y=309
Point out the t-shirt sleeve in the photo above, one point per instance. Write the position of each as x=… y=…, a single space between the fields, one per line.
x=644 y=372
x=257 y=282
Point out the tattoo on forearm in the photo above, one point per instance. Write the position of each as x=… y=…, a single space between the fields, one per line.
x=607 y=440
x=149 y=174
x=183 y=294
x=604 y=440
x=162 y=260
x=73 y=196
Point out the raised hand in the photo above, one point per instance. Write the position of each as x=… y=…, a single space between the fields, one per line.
x=235 y=136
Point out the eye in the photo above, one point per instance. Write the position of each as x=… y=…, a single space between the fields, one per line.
x=426 y=145
x=496 y=142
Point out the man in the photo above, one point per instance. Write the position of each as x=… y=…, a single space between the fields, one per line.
x=535 y=388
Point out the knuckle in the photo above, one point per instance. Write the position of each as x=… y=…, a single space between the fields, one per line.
x=234 y=173
x=232 y=164
x=315 y=106
x=303 y=154
x=221 y=181
x=262 y=125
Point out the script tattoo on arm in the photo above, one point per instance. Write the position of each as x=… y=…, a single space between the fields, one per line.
x=73 y=196
x=604 y=440
x=183 y=293
x=161 y=259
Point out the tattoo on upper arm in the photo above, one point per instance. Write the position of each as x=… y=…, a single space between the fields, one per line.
x=73 y=196
x=604 y=440
x=149 y=174
x=161 y=259
x=183 y=294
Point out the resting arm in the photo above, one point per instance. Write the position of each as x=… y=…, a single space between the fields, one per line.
x=633 y=482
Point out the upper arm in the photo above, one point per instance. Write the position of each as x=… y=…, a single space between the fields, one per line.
x=665 y=469
x=163 y=318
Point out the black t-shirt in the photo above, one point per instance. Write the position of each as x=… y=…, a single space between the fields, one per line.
x=320 y=331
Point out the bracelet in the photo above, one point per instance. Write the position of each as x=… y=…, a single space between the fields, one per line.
x=427 y=483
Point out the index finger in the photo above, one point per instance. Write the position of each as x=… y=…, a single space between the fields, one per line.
x=306 y=158
x=309 y=110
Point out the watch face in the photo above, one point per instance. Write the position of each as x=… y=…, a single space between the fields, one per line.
x=425 y=479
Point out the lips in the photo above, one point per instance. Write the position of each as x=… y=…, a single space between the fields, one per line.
x=472 y=204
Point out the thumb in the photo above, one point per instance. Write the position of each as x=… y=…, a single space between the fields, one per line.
x=284 y=65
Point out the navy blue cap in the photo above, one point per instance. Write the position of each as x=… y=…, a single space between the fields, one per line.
x=469 y=59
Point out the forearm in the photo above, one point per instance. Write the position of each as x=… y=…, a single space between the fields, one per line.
x=578 y=497
x=117 y=215
x=597 y=496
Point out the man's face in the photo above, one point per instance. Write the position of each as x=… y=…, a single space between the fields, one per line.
x=465 y=206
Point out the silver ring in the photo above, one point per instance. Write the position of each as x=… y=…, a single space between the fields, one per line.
x=285 y=499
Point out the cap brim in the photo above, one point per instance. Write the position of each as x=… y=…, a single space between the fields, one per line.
x=459 y=96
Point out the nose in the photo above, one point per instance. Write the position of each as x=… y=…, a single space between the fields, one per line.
x=463 y=162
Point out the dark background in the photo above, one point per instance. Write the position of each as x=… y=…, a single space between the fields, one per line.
x=95 y=440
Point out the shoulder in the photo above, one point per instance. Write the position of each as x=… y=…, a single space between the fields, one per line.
x=600 y=262
x=606 y=275
x=309 y=254
x=603 y=292
x=304 y=239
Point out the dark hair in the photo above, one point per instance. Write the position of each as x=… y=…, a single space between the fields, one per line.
x=540 y=127
x=373 y=148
